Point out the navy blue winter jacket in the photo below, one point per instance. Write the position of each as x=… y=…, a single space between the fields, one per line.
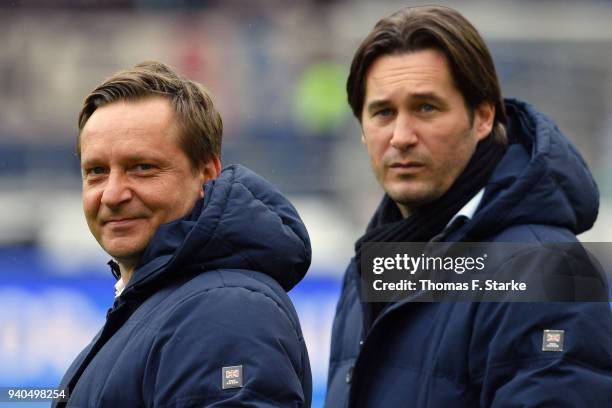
x=488 y=354
x=210 y=293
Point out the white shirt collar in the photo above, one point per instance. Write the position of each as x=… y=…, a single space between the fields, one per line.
x=119 y=286
x=469 y=209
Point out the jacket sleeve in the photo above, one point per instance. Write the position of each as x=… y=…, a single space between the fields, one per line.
x=514 y=368
x=227 y=327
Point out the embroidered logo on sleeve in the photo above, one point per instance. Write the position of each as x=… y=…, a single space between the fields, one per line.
x=231 y=377
x=553 y=340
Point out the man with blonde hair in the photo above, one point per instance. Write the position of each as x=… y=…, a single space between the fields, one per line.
x=203 y=257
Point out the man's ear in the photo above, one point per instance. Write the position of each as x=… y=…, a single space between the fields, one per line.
x=484 y=115
x=209 y=171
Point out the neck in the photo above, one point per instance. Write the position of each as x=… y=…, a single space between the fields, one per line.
x=127 y=270
x=404 y=210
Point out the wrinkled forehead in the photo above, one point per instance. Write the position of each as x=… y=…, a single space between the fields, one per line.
x=147 y=112
x=413 y=74
x=130 y=126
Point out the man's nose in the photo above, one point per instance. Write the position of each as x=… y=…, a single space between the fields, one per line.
x=117 y=190
x=404 y=133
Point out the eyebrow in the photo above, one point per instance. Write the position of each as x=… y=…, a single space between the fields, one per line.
x=377 y=104
x=89 y=163
x=132 y=158
x=429 y=96
x=418 y=96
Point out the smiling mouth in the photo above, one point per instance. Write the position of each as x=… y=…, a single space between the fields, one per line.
x=122 y=222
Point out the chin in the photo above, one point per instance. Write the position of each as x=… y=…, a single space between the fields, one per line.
x=412 y=196
x=123 y=252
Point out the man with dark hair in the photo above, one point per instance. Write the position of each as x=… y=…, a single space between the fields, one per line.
x=460 y=164
x=203 y=257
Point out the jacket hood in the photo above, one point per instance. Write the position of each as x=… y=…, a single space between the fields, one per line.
x=243 y=222
x=542 y=179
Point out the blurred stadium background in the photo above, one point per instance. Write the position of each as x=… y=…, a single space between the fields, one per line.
x=277 y=69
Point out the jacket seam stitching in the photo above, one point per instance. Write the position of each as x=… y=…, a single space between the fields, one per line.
x=226 y=286
x=282 y=220
x=216 y=398
x=537 y=359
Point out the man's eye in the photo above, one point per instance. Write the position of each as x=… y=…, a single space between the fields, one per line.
x=96 y=170
x=427 y=108
x=144 y=166
x=384 y=112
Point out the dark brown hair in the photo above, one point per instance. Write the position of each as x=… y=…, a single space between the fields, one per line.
x=433 y=27
x=200 y=125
